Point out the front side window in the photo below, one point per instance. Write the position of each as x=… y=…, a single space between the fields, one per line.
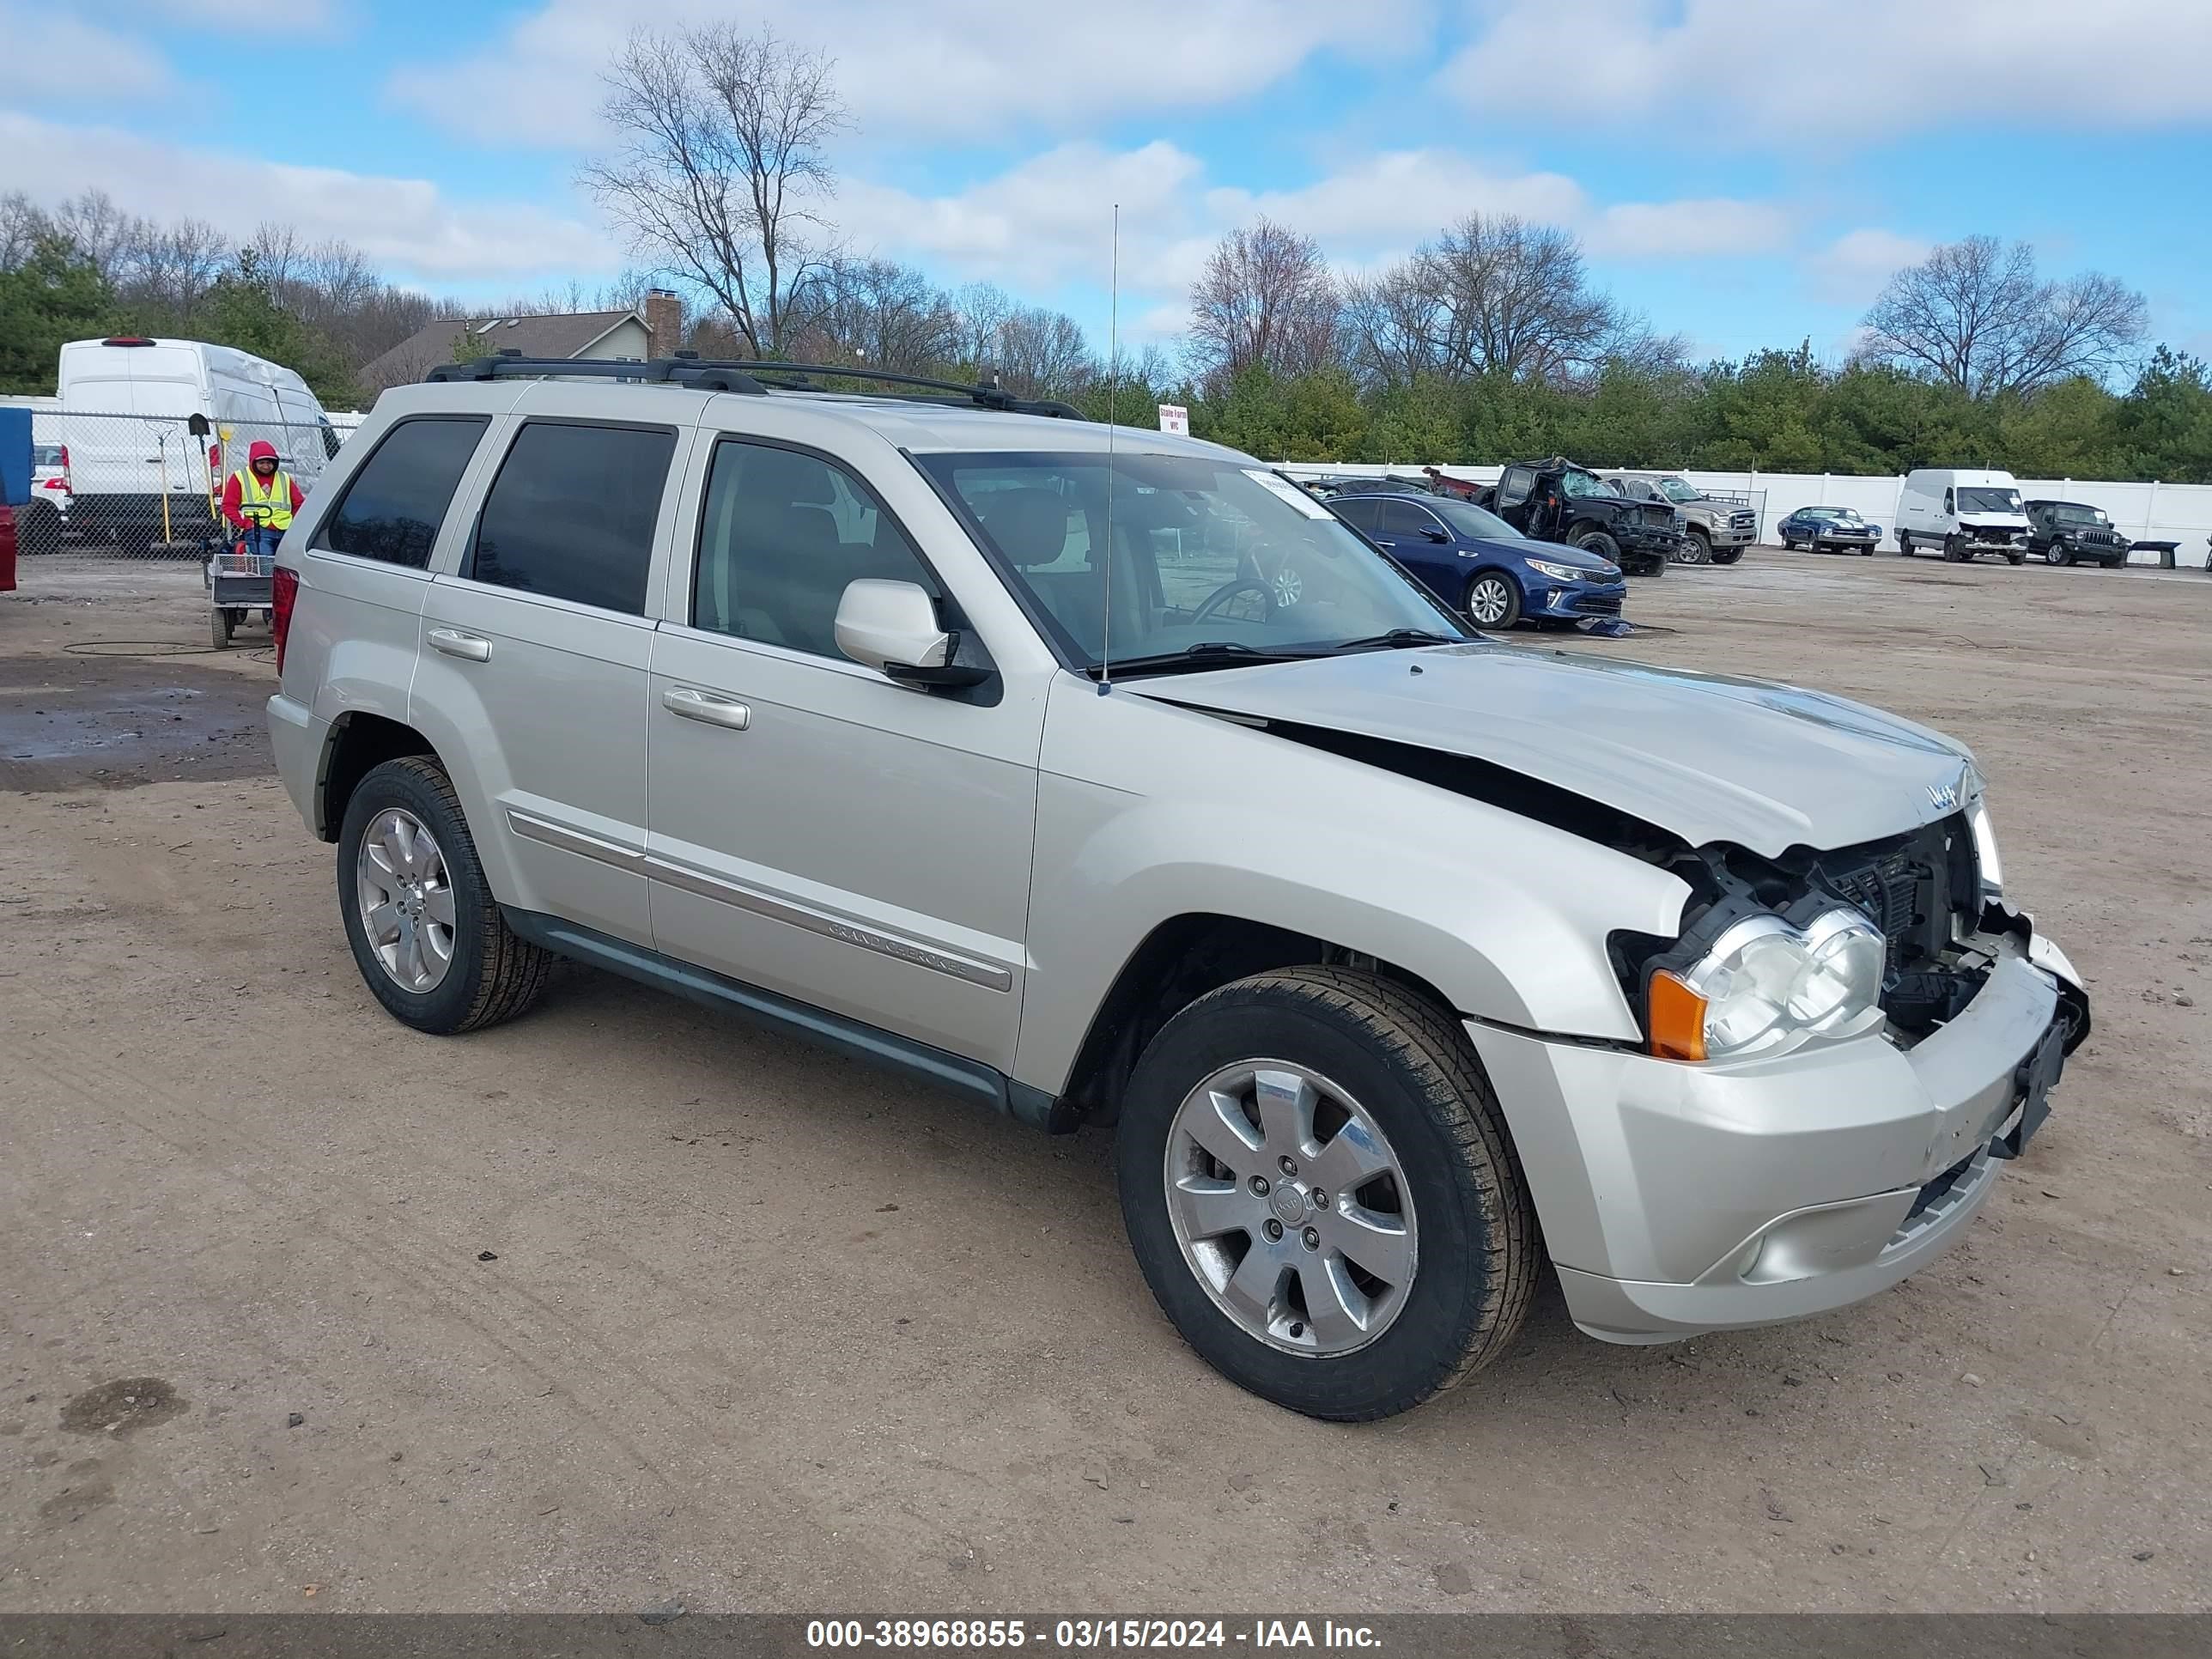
x=1478 y=524
x=781 y=535
x=571 y=513
x=1514 y=487
x=391 y=508
x=1405 y=522
x=1212 y=559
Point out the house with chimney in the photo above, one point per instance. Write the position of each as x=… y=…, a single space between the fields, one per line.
x=654 y=329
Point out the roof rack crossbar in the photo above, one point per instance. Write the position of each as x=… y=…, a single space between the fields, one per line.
x=741 y=375
x=705 y=377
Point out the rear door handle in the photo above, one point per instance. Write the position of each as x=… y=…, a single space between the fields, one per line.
x=470 y=647
x=701 y=706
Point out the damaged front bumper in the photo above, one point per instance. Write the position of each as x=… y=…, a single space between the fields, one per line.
x=1679 y=1198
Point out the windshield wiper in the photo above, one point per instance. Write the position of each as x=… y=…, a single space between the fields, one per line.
x=1205 y=654
x=1399 y=639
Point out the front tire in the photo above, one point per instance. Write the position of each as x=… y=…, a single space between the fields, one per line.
x=426 y=931
x=1493 y=600
x=1696 y=548
x=2058 y=553
x=1407 y=1272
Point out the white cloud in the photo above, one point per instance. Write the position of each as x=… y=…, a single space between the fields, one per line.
x=407 y=225
x=952 y=69
x=1698 y=228
x=65 y=56
x=1047 y=221
x=1833 y=74
x=1851 y=270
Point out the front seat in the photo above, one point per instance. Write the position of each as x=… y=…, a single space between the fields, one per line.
x=1030 y=524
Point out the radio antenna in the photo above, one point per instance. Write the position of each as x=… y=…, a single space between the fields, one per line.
x=1113 y=387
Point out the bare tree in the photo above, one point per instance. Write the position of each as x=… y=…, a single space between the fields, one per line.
x=886 y=315
x=722 y=167
x=1493 y=295
x=1265 y=299
x=982 y=309
x=1043 y=354
x=1975 y=316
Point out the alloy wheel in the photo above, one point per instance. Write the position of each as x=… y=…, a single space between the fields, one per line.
x=1487 y=601
x=406 y=900
x=1290 y=1205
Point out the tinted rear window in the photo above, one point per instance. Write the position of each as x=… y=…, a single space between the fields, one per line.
x=571 y=513
x=392 y=507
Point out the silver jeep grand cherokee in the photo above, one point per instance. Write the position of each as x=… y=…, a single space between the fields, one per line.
x=1107 y=777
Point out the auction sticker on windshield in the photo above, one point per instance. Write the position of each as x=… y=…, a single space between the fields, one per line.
x=1289 y=491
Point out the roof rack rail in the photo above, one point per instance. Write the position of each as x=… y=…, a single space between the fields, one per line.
x=511 y=364
x=688 y=369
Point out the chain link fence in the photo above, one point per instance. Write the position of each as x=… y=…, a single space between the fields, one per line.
x=120 y=486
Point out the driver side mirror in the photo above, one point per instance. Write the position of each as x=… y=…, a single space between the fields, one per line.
x=892 y=628
x=1436 y=535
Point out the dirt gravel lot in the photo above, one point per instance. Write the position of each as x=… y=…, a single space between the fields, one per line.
x=623 y=1302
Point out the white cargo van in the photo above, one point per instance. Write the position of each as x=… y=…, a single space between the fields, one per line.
x=138 y=471
x=1963 y=512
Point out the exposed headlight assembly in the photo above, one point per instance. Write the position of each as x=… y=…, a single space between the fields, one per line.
x=1985 y=844
x=1767 y=986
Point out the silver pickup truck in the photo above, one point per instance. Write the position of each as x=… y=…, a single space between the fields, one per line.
x=1718 y=527
x=1106 y=777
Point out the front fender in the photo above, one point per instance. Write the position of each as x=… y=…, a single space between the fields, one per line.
x=1147 y=811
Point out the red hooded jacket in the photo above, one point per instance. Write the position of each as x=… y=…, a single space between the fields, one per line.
x=233 y=487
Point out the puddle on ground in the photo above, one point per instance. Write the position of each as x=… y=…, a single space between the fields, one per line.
x=127 y=1404
x=116 y=722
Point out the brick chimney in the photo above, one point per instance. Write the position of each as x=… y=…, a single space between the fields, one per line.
x=664 y=319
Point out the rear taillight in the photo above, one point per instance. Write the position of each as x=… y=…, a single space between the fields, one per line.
x=284 y=587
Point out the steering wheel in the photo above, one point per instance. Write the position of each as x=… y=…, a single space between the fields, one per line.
x=1229 y=590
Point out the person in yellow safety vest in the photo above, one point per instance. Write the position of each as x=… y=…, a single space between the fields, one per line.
x=267 y=489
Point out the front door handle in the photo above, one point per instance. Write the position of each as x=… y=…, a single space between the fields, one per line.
x=702 y=706
x=470 y=647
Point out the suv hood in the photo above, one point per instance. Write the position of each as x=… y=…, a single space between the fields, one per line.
x=1708 y=756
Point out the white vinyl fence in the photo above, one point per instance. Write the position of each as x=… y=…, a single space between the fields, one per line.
x=2144 y=512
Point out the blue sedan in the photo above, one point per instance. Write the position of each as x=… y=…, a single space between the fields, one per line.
x=1476 y=563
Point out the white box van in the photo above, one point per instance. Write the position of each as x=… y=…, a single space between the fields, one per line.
x=1963 y=512
x=137 y=471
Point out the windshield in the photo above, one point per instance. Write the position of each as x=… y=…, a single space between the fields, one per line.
x=1983 y=499
x=1675 y=490
x=2066 y=514
x=1205 y=553
x=1575 y=484
x=1476 y=521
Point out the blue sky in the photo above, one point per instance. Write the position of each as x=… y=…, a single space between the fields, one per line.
x=1744 y=172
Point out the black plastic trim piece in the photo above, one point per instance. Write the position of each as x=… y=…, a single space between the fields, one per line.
x=854 y=1038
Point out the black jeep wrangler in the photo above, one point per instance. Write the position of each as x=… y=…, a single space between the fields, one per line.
x=2064 y=532
x=1556 y=500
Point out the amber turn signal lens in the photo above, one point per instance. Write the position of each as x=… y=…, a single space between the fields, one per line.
x=1678 y=1018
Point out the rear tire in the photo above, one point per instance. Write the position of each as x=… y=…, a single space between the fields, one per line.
x=1903 y=545
x=1465 y=1233
x=489 y=974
